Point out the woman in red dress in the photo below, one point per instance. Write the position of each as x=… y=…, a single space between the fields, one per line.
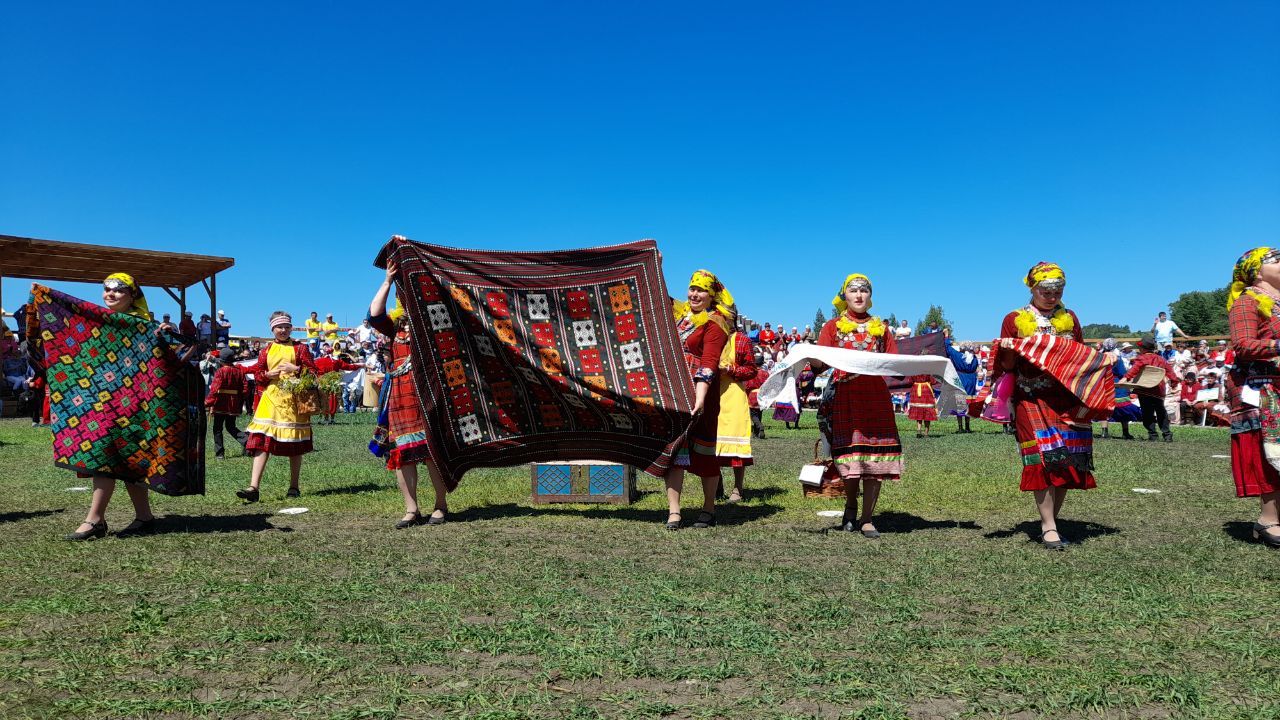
x=923 y=404
x=1255 y=338
x=704 y=322
x=856 y=412
x=329 y=361
x=1057 y=450
x=405 y=444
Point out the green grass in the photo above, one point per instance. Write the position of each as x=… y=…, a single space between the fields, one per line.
x=515 y=611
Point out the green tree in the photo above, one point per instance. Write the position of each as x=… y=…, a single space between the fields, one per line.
x=1097 y=331
x=935 y=314
x=1201 y=312
x=892 y=320
x=819 y=320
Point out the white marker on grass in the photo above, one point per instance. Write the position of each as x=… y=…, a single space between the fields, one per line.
x=291 y=511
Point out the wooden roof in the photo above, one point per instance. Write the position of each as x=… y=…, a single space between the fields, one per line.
x=56 y=260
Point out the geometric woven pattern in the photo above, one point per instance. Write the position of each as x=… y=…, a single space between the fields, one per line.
x=607 y=479
x=121 y=404
x=544 y=356
x=555 y=479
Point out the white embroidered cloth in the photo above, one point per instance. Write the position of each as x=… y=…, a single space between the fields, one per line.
x=781 y=385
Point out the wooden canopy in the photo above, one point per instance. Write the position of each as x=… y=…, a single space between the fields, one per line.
x=36 y=259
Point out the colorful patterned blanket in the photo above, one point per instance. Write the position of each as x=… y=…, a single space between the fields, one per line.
x=1081 y=370
x=536 y=356
x=121 y=404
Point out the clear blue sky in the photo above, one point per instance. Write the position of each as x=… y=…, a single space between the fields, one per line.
x=940 y=148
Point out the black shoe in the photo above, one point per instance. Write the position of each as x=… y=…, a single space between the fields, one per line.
x=848 y=524
x=219 y=456
x=674 y=524
x=1058 y=544
x=292 y=493
x=1260 y=534
x=1127 y=436
x=248 y=494
x=919 y=434
x=410 y=522
x=435 y=520
x=138 y=527
x=872 y=534
x=705 y=520
x=1168 y=438
x=99 y=529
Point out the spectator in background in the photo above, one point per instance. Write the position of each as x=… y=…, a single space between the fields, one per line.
x=809 y=335
x=1163 y=328
x=187 y=327
x=768 y=338
x=225 y=400
x=902 y=331
x=363 y=334
x=330 y=330
x=166 y=324
x=313 y=333
x=1187 y=398
x=933 y=328
x=223 y=328
x=204 y=331
x=965 y=361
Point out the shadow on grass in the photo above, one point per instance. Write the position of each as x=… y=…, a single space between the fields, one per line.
x=1073 y=531
x=256 y=522
x=902 y=523
x=1242 y=531
x=351 y=489
x=725 y=515
x=22 y=515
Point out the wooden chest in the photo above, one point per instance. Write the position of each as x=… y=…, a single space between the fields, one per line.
x=583 y=481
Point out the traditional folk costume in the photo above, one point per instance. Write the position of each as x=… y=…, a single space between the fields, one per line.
x=225 y=400
x=401 y=436
x=1151 y=400
x=966 y=364
x=922 y=404
x=734 y=430
x=705 y=336
x=1255 y=337
x=856 y=412
x=278 y=428
x=1057 y=449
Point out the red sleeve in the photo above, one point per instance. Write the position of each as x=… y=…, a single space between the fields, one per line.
x=1138 y=363
x=259 y=369
x=1245 y=332
x=1008 y=329
x=827 y=336
x=302 y=358
x=1077 y=331
x=756 y=381
x=215 y=386
x=713 y=342
x=889 y=342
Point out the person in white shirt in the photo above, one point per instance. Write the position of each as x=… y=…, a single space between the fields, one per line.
x=364 y=333
x=1164 y=328
x=902 y=331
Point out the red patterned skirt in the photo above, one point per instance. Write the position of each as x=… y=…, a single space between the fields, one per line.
x=1252 y=473
x=1055 y=452
x=259 y=442
x=856 y=415
x=407 y=428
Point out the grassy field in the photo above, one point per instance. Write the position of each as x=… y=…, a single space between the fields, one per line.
x=1161 y=608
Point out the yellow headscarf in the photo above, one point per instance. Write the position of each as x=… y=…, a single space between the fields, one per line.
x=397 y=312
x=1044 y=271
x=838 y=301
x=139 y=307
x=720 y=295
x=1244 y=274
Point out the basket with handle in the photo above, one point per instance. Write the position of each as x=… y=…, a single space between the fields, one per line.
x=820 y=478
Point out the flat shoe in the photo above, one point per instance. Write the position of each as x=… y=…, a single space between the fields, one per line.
x=705 y=520
x=1261 y=535
x=871 y=534
x=1058 y=544
x=248 y=494
x=674 y=524
x=435 y=520
x=292 y=493
x=96 y=530
x=410 y=522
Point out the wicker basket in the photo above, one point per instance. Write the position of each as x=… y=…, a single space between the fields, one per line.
x=832 y=486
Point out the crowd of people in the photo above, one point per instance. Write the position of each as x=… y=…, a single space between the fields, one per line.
x=728 y=364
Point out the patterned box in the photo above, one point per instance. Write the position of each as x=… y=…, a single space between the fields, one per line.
x=583 y=481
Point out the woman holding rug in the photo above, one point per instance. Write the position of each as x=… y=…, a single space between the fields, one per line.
x=856 y=412
x=278 y=427
x=120 y=294
x=1252 y=386
x=705 y=321
x=403 y=437
x=1057 y=451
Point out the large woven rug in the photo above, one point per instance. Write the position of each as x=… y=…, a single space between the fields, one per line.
x=121 y=404
x=537 y=356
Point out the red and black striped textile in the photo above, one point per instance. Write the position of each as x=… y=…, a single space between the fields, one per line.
x=1079 y=369
x=537 y=356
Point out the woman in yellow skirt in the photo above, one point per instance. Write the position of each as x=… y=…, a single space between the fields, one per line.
x=277 y=427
